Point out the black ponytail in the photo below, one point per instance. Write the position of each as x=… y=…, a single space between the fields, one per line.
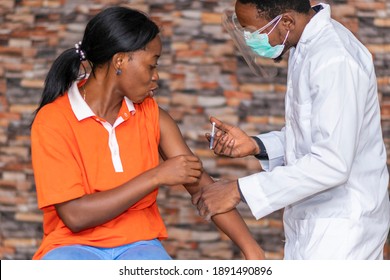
x=63 y=72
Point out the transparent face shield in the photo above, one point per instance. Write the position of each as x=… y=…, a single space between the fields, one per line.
x=239 y=35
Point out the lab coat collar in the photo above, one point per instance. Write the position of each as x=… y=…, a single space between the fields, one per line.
x=81 y=109
x=318 y=22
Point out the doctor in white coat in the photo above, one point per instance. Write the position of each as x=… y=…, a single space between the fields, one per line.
x=327 y=166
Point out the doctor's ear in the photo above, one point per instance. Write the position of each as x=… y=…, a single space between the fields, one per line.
x=288 y=21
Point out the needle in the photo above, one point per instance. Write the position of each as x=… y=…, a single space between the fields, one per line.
x=212 y=136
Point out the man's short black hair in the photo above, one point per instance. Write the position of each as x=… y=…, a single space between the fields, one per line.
x=272 y=8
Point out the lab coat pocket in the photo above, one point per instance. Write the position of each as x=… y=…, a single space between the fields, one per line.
x=301 y=126
x=325 y=238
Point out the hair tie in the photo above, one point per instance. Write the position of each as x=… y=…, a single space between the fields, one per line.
x=80 y=52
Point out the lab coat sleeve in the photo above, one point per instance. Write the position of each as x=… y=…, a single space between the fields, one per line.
x=274 y=144
x=339 y=91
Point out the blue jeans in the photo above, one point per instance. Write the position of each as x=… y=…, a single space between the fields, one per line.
x=141 y=250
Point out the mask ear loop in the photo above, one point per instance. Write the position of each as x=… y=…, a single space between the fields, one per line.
x=278 y=18
x=285 y=39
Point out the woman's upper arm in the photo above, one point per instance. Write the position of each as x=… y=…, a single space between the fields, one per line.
x=172 y=144
x=171 y=141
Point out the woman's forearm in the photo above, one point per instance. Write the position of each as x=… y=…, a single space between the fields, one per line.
x=232 y=224
x=98 y=208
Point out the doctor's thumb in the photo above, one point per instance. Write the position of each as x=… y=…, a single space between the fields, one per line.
x=225 y=127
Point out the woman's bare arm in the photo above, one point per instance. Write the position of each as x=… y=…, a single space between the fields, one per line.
x=98 y=208
x=231 y=223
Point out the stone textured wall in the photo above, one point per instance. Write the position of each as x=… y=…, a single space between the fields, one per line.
x=201 y=75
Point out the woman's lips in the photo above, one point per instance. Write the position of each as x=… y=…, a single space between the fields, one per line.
x=152 y=92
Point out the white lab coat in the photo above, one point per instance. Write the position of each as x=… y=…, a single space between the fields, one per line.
x=327 y=167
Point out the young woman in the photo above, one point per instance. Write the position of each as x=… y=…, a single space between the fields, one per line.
x=96 y=145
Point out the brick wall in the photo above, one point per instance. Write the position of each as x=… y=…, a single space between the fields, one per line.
x=200 y=76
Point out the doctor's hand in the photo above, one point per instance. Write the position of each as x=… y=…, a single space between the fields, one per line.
x=217 y=198
x=231 y=141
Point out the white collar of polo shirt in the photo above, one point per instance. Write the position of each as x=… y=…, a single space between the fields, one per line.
x=81 y=109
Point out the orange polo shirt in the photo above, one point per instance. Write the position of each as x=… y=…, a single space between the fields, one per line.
x=75 y=153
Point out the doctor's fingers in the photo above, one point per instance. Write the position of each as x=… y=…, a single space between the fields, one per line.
x=203 y=210
x=230 y=148
x=216 y=137
x=224 y=145
x=195 y=198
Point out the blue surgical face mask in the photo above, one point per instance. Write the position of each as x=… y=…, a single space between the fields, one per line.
x=259 y=42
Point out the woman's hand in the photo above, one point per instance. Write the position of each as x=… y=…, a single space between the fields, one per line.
x=179 y=170
x=231 y=141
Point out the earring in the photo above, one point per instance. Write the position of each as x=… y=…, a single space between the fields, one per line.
x=118 y=72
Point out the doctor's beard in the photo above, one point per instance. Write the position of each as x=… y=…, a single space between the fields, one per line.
x=278 y=59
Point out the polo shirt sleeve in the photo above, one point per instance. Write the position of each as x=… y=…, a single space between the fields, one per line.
x=151 y=109
x=57 y=173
